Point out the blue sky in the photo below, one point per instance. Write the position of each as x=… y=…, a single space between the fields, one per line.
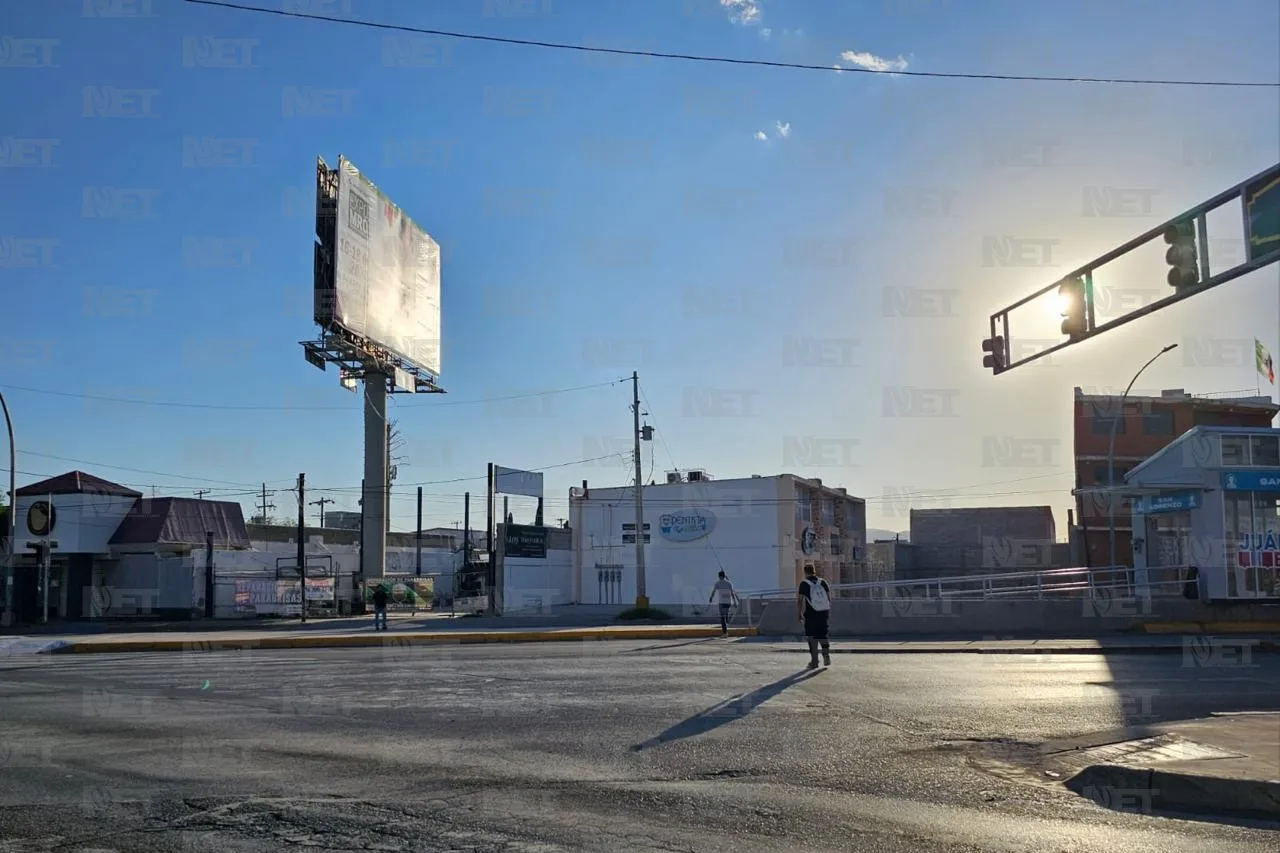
x=603 y=214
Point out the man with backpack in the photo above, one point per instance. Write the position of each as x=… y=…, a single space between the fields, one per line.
x=813 y=607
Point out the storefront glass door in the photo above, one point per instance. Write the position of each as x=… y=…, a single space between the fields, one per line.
x=1253 y=537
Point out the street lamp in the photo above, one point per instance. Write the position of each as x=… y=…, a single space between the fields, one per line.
x=1111 y=455
x=12 y=518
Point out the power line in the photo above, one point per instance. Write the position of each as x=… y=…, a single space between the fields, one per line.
x=718 y=59
x=185 y=405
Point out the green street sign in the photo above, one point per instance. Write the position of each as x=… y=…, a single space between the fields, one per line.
x=1262 y=216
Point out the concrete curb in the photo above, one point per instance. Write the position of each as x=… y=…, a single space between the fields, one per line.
x=1211 y=628
x=919 y=649
x=1144 y=789
x=379 y=639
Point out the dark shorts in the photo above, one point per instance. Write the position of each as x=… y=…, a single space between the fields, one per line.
x=816 y=623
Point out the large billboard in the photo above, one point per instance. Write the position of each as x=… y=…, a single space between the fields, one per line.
x=385 y=287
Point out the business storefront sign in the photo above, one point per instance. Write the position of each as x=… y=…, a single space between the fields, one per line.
x=1171 y=502
x=1251 y=480
x=686 y=525
x=524 y=540
x=1259 y=549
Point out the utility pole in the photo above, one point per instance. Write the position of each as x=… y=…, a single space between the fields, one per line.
x=417 y=534
x=200 y=493
x=642 y=600
x=11 y=516
x=302 y=545
x=321 y=503
x=264 y=507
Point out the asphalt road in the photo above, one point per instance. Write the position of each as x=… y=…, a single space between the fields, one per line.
x=608 y=746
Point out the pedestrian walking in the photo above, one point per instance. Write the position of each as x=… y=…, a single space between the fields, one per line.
x=813 y=608
x=380 y=608
x=723 y=591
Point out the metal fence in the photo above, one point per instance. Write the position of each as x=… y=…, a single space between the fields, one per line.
x=1047 y=584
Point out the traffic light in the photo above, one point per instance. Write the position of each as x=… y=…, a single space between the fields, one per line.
x=995 y=360
x=1181 y=257
x=1071 y=296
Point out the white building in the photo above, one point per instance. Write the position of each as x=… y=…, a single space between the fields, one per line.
x=1211 y=501
x=761 y=531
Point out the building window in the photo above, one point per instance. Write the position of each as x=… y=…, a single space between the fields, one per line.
x=828 y=512
x=1102 y=472
x=803 y=512
x=1158 y=422
x=835 y=544
x=850 y=516
x=1235 y=450
x=1265 y=451
x=1102 y=424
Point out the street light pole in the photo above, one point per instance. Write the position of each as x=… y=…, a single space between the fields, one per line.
x=12 y=518
x=1111 y=457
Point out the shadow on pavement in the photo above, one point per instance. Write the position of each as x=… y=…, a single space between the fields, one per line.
x=699 y=641
x=725 y=712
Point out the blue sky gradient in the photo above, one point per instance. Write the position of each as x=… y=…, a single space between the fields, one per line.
x=602 y=214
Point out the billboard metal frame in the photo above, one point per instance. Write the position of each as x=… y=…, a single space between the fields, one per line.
x=999 y=321
x=356 y=357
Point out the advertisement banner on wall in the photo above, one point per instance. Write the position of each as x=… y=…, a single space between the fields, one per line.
x=279 y=597
x=403 y=593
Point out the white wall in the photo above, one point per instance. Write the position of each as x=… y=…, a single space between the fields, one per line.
x=84 y=523
x=745 y=542
x=261 y=560
x=530 y=584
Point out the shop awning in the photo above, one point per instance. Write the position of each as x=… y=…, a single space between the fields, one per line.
x=1126 y=489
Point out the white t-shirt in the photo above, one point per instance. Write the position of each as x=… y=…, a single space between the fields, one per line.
x=724 y=592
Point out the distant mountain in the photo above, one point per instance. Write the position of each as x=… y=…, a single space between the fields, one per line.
x=874 y=533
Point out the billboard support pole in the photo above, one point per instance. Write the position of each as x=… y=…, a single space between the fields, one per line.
x=373 y=545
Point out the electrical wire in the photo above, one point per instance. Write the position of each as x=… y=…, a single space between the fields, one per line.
x=717 y=59
x=184 y=405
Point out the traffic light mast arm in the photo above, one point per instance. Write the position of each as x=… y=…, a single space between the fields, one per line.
x=1198 y=215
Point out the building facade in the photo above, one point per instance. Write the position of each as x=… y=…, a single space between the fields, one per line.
x=113 y=551
x=761 y=531
x=1147 y=425
x=968 y=540
x=1210 y=502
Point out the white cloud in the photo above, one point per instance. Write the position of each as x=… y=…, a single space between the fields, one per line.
x=762 y=136
x=871 y=62
x=765 y=33
x=784 y=130
x=744 y=12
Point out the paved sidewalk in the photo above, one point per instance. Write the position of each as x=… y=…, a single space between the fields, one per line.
x=303 y=639
x=1197 y=646
x=1226 y=764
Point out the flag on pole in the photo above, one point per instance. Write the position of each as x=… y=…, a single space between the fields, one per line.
x=1266 y=366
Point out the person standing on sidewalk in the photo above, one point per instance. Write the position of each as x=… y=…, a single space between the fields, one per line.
x=380 y=608
x=723 y=590
x=813 y=608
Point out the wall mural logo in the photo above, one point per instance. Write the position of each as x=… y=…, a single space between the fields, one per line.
x=41 y=518
x=808 y=541
x=686 y=525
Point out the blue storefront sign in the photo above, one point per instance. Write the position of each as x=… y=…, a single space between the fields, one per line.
x=1251 y=480
x=1171 y=502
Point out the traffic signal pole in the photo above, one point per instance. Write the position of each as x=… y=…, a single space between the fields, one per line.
x=1260 y=202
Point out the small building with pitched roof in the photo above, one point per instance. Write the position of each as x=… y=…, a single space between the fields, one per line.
x=114 y=551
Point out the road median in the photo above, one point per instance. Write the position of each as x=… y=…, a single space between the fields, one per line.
x=206 y=642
